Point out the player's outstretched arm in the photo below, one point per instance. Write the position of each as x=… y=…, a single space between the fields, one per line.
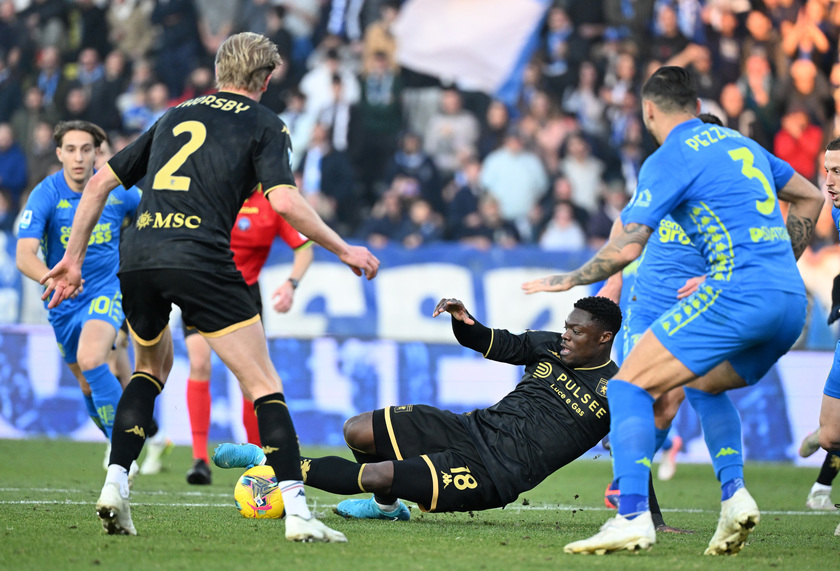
x=619 y=251
x=288 y=203
x=806 y=203
x=66 y=277
x=455 y=308
x=284 y=295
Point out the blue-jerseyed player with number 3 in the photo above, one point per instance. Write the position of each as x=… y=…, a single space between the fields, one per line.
x=87 y=327
x=723 y=190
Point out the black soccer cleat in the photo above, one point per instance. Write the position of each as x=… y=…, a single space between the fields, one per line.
x=199 y=474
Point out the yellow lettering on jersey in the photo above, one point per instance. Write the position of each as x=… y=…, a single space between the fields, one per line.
x=208 y=100
x=176 y=220
x=192 y=221
x=229 y=106
x=765 y=234
x=707 y=137
x=672 y=232
x=578 y=397
x=161 y=222
x=241 y=107
x=217 y=104
x=249 y=210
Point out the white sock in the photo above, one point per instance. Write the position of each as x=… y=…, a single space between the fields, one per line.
x=119 y=476
x=387 y=507
x=294 y=498
x=817 y=487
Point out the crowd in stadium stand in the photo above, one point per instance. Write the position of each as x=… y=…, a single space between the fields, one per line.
x=389 y=155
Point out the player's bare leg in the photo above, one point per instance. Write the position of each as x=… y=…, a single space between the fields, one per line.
x=244 y=351
x=830 y=424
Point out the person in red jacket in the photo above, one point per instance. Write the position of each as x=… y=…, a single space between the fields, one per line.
x=799 y=142
x=257 y=225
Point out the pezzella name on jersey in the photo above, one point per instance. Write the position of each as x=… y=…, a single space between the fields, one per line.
x=171 y=220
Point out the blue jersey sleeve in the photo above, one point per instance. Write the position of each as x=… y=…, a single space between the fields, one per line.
x=660 y=189
x=36 y=215
x=782 y=171
x=133 y=200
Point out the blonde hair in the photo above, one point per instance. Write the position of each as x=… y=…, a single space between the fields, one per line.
x=245 y=60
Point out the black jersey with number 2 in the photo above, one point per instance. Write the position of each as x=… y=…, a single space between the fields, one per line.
x=554 y=415
x=201 y=160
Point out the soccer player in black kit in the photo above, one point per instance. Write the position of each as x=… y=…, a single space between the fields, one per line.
x=201 y=160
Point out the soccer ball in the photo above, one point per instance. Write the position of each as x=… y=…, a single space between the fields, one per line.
x=257 y=496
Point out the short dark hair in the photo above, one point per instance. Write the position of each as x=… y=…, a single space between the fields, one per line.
x=710 y=118
x=604 y=311
x=833 y=145
x=64 y=127
x=672 y=89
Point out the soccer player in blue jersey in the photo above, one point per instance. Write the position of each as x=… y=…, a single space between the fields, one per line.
x=86 y=327
x=723 y=190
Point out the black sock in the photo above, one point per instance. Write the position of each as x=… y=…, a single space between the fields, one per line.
x=653 y=503
x=153 y=428
x=332 y=474
x=830 y=467
x=278 y=437
x=134 y=418
x=413 y=481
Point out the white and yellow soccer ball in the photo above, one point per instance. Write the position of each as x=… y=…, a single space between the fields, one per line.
x=257 y=495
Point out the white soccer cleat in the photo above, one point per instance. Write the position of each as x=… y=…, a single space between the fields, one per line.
x=107 y=459
x=157 y=448
x=114 y=511
x=810 y=444
x=618 y=534
x=820 y=500
x=738 y=516
x=133 y=470
x=668 y=464
x=306 y=530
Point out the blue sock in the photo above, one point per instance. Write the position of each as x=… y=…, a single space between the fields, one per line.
x=722 y=430
x=633 y=443
x=106 y=391
x=662 y=440
x=94 y=416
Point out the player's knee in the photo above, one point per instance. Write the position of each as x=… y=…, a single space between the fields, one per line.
x=358 y=432
x=200 y=369
x=829 y=440
x=377 y=478
x=88 y=361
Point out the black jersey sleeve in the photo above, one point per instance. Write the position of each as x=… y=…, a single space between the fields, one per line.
x=130 y=164
x=520 y=349
x=273 y=156
x=476 y=337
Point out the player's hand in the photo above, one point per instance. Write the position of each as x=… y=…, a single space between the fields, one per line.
x=361 y=261
x=455 y=308
x=557 y=282
x=668 y=529
x=283 y=297
x=691 y=285
x=63 y=281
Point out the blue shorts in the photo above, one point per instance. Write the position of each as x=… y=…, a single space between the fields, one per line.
x=832 y=383
x=751 y=329
x=107 y=306
x=638 y=320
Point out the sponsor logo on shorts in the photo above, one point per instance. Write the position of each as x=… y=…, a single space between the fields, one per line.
x=403 y=408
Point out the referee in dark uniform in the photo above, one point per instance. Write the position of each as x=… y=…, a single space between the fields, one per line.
x=201 y=160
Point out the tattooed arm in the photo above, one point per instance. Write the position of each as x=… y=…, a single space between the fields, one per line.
x=806 y=202
x=613 y=257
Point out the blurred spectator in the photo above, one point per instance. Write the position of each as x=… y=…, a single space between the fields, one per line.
x=77 y=105
x=10 y=95
x=379 y=113
x=450 y=131
x=584 y=172
x=130 y=26
x=724 y=43
x=134 y=94
x=317 y=83
x=668 y=40
x=275 y=30
x=630 y=19
x=757 y=85
x=706 y=76
x=216 y=21
x=563 y=233
x=302 y=16
x=487 y=228
x=799 y=142
x=806 y=38
x=12 y=165
x=611 y=201
x=327 y=181
x=8 y=212
x=625 y=120
x=50 y=79
x=46 y=21
x=583 y=101
x=378 y=37
x=27 y=117
x=516 y=178
x=300 y=123
x=783 y=13
x=807 y=88
x=545 y=128
x=180 y=45
x=15 y=41
x=200 y=82
x=493 y=128
x=88 y=27
x=422 y=226
x=385 y=220
x=253 y=15
x=462 y=194
x=40 y=154
x=157 y=101
x=147 y=107
x=736 y=116
x=279 y=82
x=411 y=161
x=620 y=79
x=89 y=69
x=562 y=50
x=761 y=34
x=560 y=192
x=335 y=115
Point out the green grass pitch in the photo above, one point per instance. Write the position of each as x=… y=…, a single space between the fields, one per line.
x=48 y=489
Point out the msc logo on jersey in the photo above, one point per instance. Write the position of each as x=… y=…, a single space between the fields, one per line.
x=171 y=220
x=601 y=389
x=63 y=203
x=642 y=199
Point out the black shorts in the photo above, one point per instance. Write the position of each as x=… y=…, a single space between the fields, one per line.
x=435 y=440
x=214 y=303
x=254 y=288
